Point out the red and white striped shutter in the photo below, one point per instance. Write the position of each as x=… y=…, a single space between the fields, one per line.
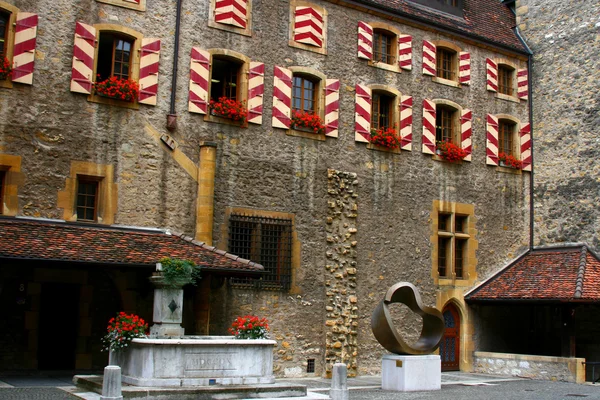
x=362 y=114
x=525 y=136
x=405 y=52
x=83 y=58
x=232 y=12
x=464 y=68
x=492 y=75
x=199 y=73
x=365 y=41
x=429 y=58
x=332 y=107
x=428 y=146
x=466 y=133
x=24 y=50
x=282 y=97
x=406 y=103
x=149 y=59
x=308 y=26
x=256 y=90
x=523 y=84
x=492 y=140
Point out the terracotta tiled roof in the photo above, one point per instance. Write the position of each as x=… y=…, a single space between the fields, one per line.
x=487 y=20
x=570 y=273
x=62 y=241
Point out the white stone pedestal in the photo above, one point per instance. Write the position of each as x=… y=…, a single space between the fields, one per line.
x=411 y=373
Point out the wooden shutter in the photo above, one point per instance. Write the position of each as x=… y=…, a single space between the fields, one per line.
x=362 y=114
x=24 y=50
x=492 y=75
x=308 y=26
x=232 y=12
x=464 y=68
x=406 y=103
x=405 y=52
x=492 y=140
x=149 y=59
x=525 y=136
x=523 y=84
x=256 y=90
x=282 y=97
x=429 y=58
x=199 y=73
x=83 y=58
x=466 y=132
x=429 y=115
x=332 y=107
x=365 y=41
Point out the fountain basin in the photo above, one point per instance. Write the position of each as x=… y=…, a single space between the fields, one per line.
x=196 y=361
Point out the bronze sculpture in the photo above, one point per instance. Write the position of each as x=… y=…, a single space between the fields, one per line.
x=385 y=332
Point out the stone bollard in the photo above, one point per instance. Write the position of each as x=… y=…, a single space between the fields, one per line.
x=339 y=382
x=111 y=385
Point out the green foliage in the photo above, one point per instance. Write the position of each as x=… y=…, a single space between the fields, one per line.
x=178 y=273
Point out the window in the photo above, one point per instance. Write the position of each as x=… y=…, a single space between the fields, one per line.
x=505 y=80
x=224 y=81
x=114 y=56
x=139 y=5
x=304 y=94
x=267 y=241
x=383 y=47
x=4 y=25
x=506 y=133
x=87 y=200
x=308 y=26
x=2 y=186
x=454 y=7
x=446 y=64
x=445 y=124
x=231 y=15
x=310 y=366
x=452 y=246
x=382 y=111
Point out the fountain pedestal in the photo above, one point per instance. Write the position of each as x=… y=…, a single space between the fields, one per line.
x=168 y=309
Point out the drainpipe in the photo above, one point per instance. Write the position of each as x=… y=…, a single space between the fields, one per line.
x=530 y=94
x=172 y=116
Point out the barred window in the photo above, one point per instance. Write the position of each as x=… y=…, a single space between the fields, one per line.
x=383 y=48
x=446 y=64
x=446 y=120
x=87 y=200
x=505 y=80
x=267 y=241
x=381 y=111
x=506 y=132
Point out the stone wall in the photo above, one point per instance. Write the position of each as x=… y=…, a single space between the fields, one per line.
x=565 y=39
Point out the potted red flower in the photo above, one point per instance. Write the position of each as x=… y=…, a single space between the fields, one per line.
x=122 y=330
x=508 y=160
x=250 y=327
x=228 y=108
x=5 y=68
x=450 y=151
x=385 y=137
x=117 y=88
x=307 y=121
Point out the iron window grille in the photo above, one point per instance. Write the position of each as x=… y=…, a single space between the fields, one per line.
x=310 y=366
x=267 y=241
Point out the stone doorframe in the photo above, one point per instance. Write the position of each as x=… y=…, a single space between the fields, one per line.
x=445 y=297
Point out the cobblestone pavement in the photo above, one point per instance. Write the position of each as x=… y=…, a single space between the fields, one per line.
x=34 y=393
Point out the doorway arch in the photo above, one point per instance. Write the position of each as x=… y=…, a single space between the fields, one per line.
x=450 y=344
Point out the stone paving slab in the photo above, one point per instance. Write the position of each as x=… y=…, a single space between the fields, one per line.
x=35 y=393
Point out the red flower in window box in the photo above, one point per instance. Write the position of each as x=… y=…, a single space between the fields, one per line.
x=308 y=121
x=508 y=160
x=5 y=68
x=387 y=137
x=117 y=88
x=228 y=108
x=450 y=151
x=250 y=327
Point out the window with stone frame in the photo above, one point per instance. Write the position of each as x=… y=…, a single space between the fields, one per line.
x=114 y=56
x=506 y=137
x=2 y=186
x=453 y=238
x=384 y=47
x=446 y=64
x=266 y=241
x=87 y=199
x=506 y=80
x=139 y=5
x=305 y=91
x=225 y=78
x=446 y=124
x=382 y=110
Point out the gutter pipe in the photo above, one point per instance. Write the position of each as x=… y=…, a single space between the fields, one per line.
x=172 y=116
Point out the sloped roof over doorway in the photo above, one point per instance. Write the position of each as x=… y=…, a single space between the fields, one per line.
x=551 y=274
x=55 y=240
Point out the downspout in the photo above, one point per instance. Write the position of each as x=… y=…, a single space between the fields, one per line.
x=172 y=116
x=530 y=94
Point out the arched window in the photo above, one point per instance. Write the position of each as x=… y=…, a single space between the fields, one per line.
x=382 y=110
x=446 y=64
x=115 y=56
x=225 y=78
x=384 y=46
x=305 y=91
x=446 y=124
x=507 y=131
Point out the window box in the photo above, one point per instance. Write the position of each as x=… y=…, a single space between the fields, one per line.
x=5 y=69
x=307 y=122
x=450 y=152
x=385 y=139
x=229 y=109
x=121 y=89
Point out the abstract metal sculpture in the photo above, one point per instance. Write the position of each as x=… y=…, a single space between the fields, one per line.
x=385 y=332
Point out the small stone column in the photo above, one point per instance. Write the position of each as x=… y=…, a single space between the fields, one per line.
x=206 y=192
x=111 y=384
x=339 y=382
x=168 y=307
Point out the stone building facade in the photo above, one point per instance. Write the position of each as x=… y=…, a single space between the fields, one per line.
x=334 y=219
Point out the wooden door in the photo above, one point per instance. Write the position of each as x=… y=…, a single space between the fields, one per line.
x=450 y=344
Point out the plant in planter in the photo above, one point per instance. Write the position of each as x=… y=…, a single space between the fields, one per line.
x=5 y=68
x=177 y=273
x=508 y=160
x=450 y=151
x=250 y=327
x=117 y=88
x=228 y=108
x=385 y=137
x=306 y=121
x=122 y=329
